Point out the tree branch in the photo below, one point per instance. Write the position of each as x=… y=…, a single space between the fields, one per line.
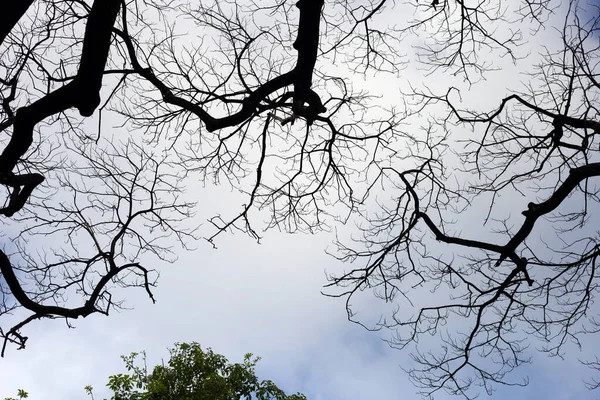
x=12 y=11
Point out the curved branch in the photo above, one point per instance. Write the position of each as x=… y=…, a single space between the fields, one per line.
x=535 y=211
x=306 y=43
x=83 y=92
x=45 y=310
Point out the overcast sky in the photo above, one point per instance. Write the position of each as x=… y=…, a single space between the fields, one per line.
x=246 y=297
x=260 y=298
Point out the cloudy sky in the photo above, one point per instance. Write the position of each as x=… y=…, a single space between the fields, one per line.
x=246 y=297
x=260 y=298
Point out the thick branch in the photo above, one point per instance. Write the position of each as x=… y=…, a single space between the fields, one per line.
x=12 y=11
x=22 y=186
x=557 y=118
x=535 y=211
x=96 y=44
x=249 y=105
x=25 y=120
x=439 y=235
x=82 y=92
x=307 y=44
x=44 y=310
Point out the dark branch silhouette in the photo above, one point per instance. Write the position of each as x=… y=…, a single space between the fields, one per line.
x=476 y=222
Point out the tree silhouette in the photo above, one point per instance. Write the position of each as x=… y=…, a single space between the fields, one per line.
x=250 y=94
x=523 y=279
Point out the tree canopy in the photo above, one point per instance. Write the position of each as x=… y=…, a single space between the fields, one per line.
x=193 y=374
x=110 y=108
x=190 y=374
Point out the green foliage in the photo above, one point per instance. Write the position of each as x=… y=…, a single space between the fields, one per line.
x=190 y=374
x=21 y=394
x=193 y=374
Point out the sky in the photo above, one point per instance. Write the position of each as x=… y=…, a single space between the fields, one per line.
x=261 y=298
x=245 y=297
